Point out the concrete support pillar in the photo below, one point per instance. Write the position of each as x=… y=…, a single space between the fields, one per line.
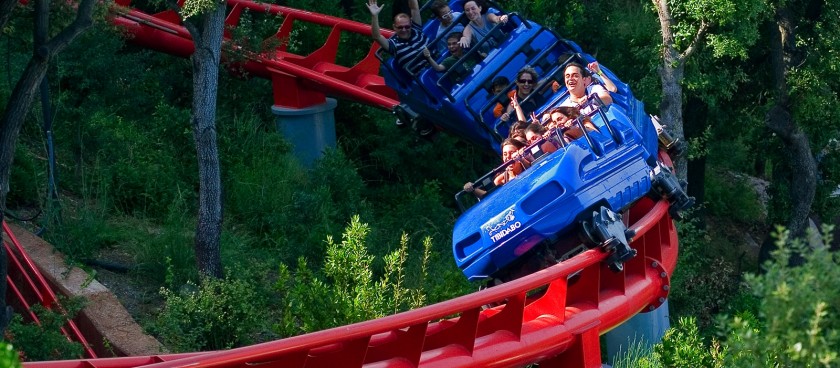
x=310 y=130
x=645 y=329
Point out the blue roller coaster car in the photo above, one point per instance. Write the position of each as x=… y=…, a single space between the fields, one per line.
x=576 y=188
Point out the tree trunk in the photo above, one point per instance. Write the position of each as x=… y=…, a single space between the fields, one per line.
x=779 y=120
x=21 y=100
x=207 y=35
x=803 y=175
x=671 y=74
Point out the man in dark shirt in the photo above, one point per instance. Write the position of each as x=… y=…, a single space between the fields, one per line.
x=455 y=54
x=408 y=42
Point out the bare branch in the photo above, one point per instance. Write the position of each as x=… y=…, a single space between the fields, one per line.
x=83 y=21
x=698 y=37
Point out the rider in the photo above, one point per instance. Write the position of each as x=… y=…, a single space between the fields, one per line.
x=408 y=42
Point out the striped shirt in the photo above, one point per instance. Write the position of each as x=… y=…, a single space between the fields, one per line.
x=408 y=53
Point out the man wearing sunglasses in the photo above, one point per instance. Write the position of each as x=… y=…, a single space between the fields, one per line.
x=407 y=44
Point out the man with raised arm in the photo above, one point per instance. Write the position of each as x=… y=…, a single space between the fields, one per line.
x=576 y=78
x=407 y=44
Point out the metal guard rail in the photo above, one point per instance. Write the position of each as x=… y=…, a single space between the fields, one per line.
x=27 y=287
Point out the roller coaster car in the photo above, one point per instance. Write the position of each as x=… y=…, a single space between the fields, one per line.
x=460 y=100
x=577 y=188
x=574 y=192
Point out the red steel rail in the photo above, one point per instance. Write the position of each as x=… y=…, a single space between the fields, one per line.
x=27 y=287
x=298 y=81
x=553 y=317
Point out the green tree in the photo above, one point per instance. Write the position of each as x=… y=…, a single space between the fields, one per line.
x=347 y=289
x=727 y=27
x=22 y=96
x=803 y=80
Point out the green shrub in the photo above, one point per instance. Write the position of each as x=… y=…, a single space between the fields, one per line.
x=215 y=314
x=80 y=229
x=8 y=356
x=798 y=324
x=44 y=340
x=682 y=346
x=346 y=290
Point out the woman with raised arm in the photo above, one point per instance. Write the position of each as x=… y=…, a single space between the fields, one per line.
x=480 y=24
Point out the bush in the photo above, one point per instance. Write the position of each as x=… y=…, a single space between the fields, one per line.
x=798 y=324
x=8 y=356
x=346 y=289
x=81 y=229
x=682 y=346
x=213 y=315
x=44 y=340
x=169 y=246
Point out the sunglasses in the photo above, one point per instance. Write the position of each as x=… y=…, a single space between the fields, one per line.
x=447 y=15
x=526 y=81
x=403 y=27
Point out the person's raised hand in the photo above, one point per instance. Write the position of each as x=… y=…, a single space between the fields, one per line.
x=374 y=7
x=594 y=67
x=514 y=102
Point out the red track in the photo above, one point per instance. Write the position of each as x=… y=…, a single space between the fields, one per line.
x=27 y=287
x=298 y=81
x=558 y=328
x=554 y=316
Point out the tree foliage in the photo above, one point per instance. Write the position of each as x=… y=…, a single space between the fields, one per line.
x=793 y=324
x=347 y=288
x=212 y=315
x=43 y=340
x=796 y=325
